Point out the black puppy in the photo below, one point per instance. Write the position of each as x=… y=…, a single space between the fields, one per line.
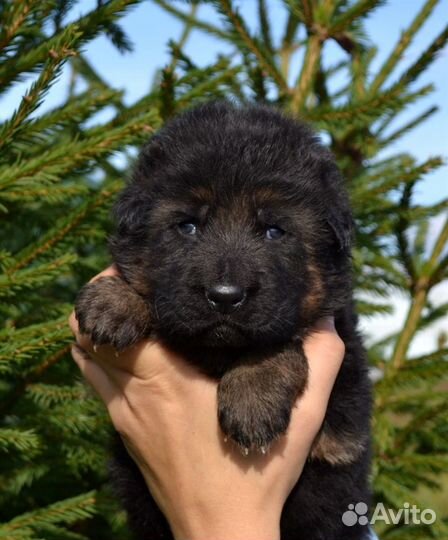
x=233 y=238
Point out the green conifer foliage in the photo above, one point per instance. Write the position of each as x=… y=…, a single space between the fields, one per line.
x=57 y=183
x=53 y=221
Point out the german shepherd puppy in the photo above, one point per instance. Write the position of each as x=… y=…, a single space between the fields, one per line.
x=233 y=238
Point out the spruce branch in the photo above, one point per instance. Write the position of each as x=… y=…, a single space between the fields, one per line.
x=440 y=354
x=61 y=9
x=401 y=230
x=359 y=72
x=360 y=9
x=369 y=185
x=419 y=422
x=320 y=87
x=16 y=17
x=361 y=60
x=36 y=276
x=391 y=489
x=18 y=440
x=63 y=227
x=81 y=66
x=265 y=26
x=407 y=400
x=64 y=158
x=226 y=76
x=288 y=47
x=295 y=13
x=89 y=26
x=440 y=272
x=167 y=94
x=403 y=43
x=197 y=23
x=398 y=133
x=188 y=27
x=62 y=50
x=73 y=113
x=421 y=236
x=252 y=44
x=439 y=247
x=34 y=374
x=421 y=290
x=425 y=59
x=48 y=395
x=44 y=191
x=24 y=476
x=307 y=10
x=99 y=20
x=54 y=337
x=365 y=111
x=68 y=511
x=308 y=73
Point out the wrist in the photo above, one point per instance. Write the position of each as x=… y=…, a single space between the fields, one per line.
x=226 y=525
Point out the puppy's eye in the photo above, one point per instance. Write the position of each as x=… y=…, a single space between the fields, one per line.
x=274 y=233
x=188 y=228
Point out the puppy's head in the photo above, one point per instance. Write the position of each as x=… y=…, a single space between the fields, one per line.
x=236 y=228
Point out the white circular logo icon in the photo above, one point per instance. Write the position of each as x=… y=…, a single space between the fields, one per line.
x=355 y=514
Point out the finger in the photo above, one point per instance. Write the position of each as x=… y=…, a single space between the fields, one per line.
x=73 y=323
x=324 y=348
x=82 y=340
x=325 y=351
x=95 y=375
x=111 y=270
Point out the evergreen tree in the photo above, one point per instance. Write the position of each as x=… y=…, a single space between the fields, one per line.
x=57 y=182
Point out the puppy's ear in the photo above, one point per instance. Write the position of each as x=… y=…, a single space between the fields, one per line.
x=339 y=215
x=341 y=223
x=131 y=210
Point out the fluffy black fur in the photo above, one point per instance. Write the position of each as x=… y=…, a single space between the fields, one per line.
x=248 y=199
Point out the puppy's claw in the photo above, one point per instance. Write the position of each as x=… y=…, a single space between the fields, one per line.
x=245 y=451
x=95 y=348
x=263 y=450
x=225 y=439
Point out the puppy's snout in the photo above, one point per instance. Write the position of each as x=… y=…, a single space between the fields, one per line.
x=226 y=297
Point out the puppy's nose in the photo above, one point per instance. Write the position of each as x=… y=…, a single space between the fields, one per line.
x=225 y=298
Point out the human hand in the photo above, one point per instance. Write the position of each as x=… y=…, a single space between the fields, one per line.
x=165 y=411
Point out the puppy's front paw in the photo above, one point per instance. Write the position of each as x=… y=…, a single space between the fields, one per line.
x=112 y=313
x=253 y=417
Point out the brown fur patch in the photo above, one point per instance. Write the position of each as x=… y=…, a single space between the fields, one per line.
x=203 y=194
x=315 y=296
x=266 y=196
x=338 y=449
